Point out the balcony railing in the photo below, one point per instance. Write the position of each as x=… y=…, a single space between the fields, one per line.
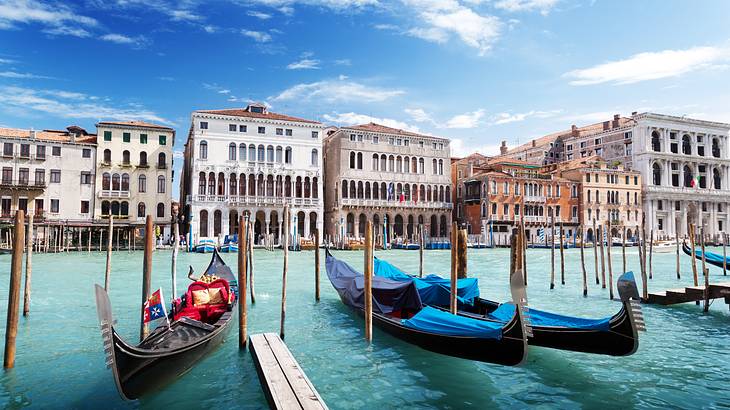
x=161 y=165
x=395 y=204
x=256 y=200
x=535 y=198
x=143 y=165
x=108 y=193
x=22 y=184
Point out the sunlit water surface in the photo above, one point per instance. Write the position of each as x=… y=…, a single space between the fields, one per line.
x=682 y=360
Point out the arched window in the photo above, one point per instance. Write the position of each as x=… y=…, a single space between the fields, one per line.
x=406 y=165
x=391 y=163
x=270 y=153
x=115 y=182
x=376 y=190
x=287 y=155
x=141 y=211
x=160 y=210
x=105 y=207
x=203 y=150
x=421 y=165
x=125 y=157
x=315 y=187
x=434 y=166
x=352 y=160
x=161 y=161
x=142 y=184
x=279 y=155
x=203 y=232
x=115 y=208
x=656 y=144
x=344 y=188
x=142 y=159
x=353 y=190
x=211 y=184
x=106 y=181
x=688 y=177
x=251 y=153
x=261 y=153
x=160 y=184
x=716 y=148
x=717 y=179
x=448 y=194
x=315 y=157
x=125 y=182
x=657 y=174
x=398 y=164
x=107 y=155
x=124 y=211
x=375 y=162
x=383 y=163
x=441 y=167
x=242 y=152
x=232 y=185
x=686 y=145
x=359 y=160
x=232 y=151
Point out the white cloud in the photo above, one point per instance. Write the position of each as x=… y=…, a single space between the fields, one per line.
x=432 y=34
x=650 y=66
x=419 y=115
x=183 y=15
x=506 y=118
x=337 y=91
x=166 y=78
x=66 y=104
x=336 y=5
x=385 y=27
x=210 y=28
x=178 y=154
x=258 y=36
x=543 y=6
x=343 y=61
x=22 y=76
x=466 y=120
x=67 y=31
x=259 y=15
x=7 y=61
x=304 y=64
x=351 y=118
x=31 y=11
x=459 y=148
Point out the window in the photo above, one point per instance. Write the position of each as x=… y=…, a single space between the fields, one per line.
x=163 y=139
x=142 y=159
x=40 y=176
x=203 y=150
x=262 y=130
x=141 y=211
x=125 y=157
x=160 y=210
x=242 y=128
x=56 y=151
x=142 y=183
x=54 y=206
x=232 y=151
x=84 y=207
x=107 y=135
x=203 y=125
x=142 y=138
x=232 y=127
x=161 y=161
x=40 y=151
x=105 y=181
x=8 y=149
x=289 y=132
x=7 y=175
x=86 y=153
x=25 y=150
x=375 y=139
x=353 y=137
x=85 y=177
x=125 y=182
x=23 y=175
x=160 y=184
x=55 y=176
x=126 y=137
x=279 y=131
x=287 y=155
x=315 y=157
x=315 y=134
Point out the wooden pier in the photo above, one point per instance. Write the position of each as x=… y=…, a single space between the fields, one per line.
x=689 y=294
x=284 y=382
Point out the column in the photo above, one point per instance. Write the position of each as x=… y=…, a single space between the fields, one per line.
x=355 y=225
x=306 y=225
x=667 y=173
x=225 y=222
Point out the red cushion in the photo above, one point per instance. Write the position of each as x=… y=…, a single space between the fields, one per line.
x=193 y=312
x=214 y=312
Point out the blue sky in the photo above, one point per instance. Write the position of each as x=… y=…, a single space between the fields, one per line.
x=475 y=71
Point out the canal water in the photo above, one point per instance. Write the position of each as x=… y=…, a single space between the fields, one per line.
x=682 y=360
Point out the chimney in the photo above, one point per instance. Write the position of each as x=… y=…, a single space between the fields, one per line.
x=574 y=130
x=615 y=120
x=470 y=169
x=633 y=113
x=534 y=143
x=503 y=148
x=606 y=125
x=32 y=134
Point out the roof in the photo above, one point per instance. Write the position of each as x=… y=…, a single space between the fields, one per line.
x=47 y=135
x=268 y=115
x=373 y=127
x=138 y=124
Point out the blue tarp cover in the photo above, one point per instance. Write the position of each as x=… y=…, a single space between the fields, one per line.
x=437 y=321
x=710 y=256
x=505 y=311
x=433 y=289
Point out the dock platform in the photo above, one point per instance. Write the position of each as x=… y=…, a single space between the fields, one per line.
x=283 y=381
x=689 y=294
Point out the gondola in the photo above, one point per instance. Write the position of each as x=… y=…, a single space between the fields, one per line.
x=615 y=336
x=710 y=257
x=169 y=351
x=397 y=310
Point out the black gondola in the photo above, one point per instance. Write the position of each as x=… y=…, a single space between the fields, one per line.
x=710 y=257
x=169 y=351
x=615 y=336
x=395 y=304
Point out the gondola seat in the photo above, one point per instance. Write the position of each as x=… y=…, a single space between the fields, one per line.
x=212 y=301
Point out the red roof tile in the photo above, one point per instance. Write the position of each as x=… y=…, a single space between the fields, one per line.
x=140 y=124
x=47 y=135
x=242 y=112
x=373 y=127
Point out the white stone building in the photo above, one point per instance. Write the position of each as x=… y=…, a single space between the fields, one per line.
x=134 y=172
x=251 y=159
x=685 y=168
x=49 y=173
x=378 y=173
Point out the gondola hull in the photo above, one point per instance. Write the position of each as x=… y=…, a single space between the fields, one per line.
x=710 y=257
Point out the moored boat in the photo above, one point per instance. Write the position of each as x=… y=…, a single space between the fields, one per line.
x=710 y=257
x=194 y=330
x=397 y=310
x=205 y=245
x=616 y=335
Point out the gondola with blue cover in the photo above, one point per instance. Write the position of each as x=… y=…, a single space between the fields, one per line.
x=398 y=310
x=616 y=335
x=710 y=257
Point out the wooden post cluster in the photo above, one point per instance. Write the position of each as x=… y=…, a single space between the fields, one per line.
x=242 y=279
x=16 y=264
x=28 y=266
x=692 y=244
x=316 y=265
x=107 y=274
x=595 y=251
x=461 y=253
x=552 y=252
x=368 y=272
x=642 y=252
x=562 y=256
x=583 y=262
x=287 y=222
x=149 y=246
x=610 y=265
x=724 y=254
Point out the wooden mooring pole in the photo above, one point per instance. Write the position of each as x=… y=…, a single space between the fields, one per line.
x=595 y=251
x=149 y=246
x=644 y=285
x=242 y=267
x=724 y=254
x=651 y=252
x=28 y=266
x=562 y=256
x=316 y=265
x=552 y=252
x=603 y=260
x=461 y=249
x=454 y=267
x=702 y=247
x=108 y=272
x=421 y=245
x=368 y=272
x=583 y=261
x=692 y=257
x=623 y=249
x=250 y=259
x=610 y=266
x=284 y=272
x=175 y=247
x=676 y=239
x=16 y=264
x=524 y=250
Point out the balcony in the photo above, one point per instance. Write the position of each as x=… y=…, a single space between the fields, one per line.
x=535 y=198
x=395 y=204
x=143 y=165
x=22 y=184
x=255 y=200
x=472 y=198
x=161 y=165
x=110 y=194
x=105 y=164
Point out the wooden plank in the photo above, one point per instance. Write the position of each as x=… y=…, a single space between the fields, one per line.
x=303 y=389
x=276 y=388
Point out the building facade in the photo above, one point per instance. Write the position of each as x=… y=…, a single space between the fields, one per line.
x=49 y=173
x=394 y=178
x=252 y=160
x=134 y=172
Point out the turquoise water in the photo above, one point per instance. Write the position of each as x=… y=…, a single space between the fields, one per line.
x=681 y=362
